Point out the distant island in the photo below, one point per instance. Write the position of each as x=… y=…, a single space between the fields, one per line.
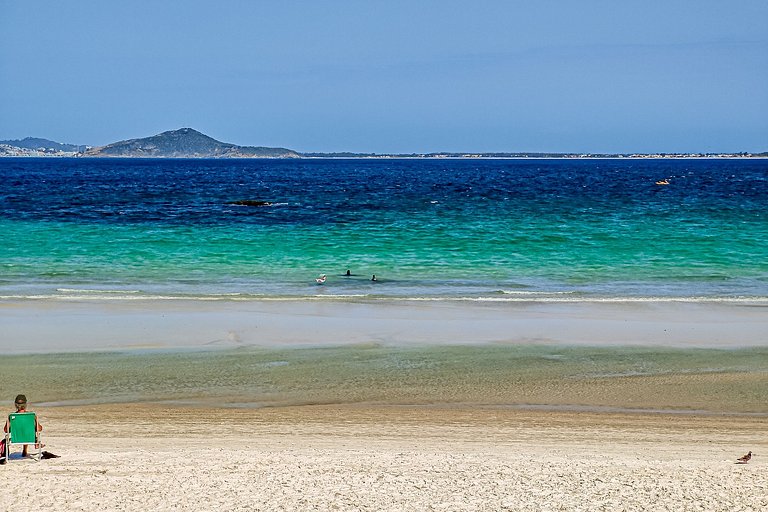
x=185 y=143
x=189 y=143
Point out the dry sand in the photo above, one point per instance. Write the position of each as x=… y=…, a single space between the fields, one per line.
x=143 y=457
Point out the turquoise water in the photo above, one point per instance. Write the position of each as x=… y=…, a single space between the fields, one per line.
x=428 y=229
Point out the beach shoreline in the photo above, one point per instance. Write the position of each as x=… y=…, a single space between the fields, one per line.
x=302 y=405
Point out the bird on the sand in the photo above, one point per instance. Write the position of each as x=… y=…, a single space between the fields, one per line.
x=744 y=459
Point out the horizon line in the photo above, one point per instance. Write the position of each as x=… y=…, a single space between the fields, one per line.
x=378 y=154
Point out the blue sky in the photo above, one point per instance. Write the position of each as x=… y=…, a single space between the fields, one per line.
x=391 y=76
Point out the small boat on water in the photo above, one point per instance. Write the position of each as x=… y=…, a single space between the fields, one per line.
x=662 y=182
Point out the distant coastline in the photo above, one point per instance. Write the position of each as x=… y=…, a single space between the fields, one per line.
x=189 y=143
x=537 y=156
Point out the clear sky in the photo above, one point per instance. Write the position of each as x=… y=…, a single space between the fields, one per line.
x=391 y=75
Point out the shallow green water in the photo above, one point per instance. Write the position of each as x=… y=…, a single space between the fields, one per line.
x=623 y=378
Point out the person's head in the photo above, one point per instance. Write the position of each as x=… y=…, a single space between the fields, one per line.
x=21 y=402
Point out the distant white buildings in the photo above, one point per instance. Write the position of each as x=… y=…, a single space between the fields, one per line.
x=6 y=150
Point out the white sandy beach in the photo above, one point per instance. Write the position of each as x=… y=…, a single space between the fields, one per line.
x=331 y=458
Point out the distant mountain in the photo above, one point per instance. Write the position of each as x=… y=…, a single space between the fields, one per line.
x=186 y=143
x=46 y=145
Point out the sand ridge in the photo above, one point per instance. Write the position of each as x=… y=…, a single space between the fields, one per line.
x=83 y=325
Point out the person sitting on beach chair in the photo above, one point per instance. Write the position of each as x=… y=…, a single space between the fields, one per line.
x=21 y=427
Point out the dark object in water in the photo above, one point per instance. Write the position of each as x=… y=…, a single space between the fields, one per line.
x=251 y=202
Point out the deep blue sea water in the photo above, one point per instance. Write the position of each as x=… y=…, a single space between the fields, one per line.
x=507 y=230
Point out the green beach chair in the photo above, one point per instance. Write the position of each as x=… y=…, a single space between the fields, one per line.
x=21 y=430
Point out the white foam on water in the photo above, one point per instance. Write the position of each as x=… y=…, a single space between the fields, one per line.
x=523 y=297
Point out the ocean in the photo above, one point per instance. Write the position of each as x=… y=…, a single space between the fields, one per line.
x=428 y=229
x=96 y=254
